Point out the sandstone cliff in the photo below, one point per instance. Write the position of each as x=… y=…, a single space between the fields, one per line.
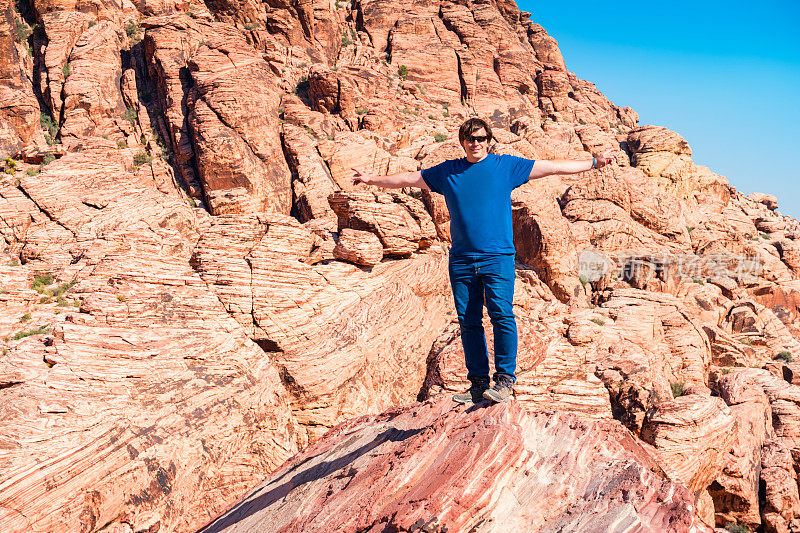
x=194 y=292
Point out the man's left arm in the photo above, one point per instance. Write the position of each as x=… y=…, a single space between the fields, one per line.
x=544 y=167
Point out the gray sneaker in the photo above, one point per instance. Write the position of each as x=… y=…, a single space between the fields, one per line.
x=502 y=389
x=474 y=393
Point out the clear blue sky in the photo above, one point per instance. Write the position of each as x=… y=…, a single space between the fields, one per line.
x=725 y=75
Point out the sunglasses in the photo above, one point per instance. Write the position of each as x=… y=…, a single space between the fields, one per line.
x=477 y=138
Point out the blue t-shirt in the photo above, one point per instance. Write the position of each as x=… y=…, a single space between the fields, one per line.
x=478 y=196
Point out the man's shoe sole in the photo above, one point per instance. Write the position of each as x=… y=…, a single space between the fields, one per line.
x=495 y=396
x=465 y=402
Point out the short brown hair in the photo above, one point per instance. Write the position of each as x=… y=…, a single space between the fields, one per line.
x=471 y=125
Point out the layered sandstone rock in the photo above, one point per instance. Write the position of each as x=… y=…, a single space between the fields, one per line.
x=19 y=110
x=181 y=312
x=232 y=120
x=93 y=103
x=468 y=469
x=400 y=221
x=691 y=434
x=544 y=239
x=323 y=322
x=736 y=491
x=781 y=511
x=223 y=119
x=359 y=247
x=635 y=384
x=120 y=379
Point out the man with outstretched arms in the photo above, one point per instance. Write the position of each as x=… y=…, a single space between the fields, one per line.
x=477 y=189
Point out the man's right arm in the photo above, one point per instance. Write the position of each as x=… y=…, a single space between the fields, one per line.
x=392 y=181
x=543 y=167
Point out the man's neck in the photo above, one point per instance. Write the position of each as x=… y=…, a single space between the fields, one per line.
x=470 y=160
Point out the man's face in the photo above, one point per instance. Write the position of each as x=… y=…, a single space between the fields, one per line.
x=476 y=145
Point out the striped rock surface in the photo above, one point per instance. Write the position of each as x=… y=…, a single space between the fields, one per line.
x=440 y=467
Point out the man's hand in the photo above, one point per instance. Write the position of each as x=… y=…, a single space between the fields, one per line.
x=608 y=157
x=362 y=177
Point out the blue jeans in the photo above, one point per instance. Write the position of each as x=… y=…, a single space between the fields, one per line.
x=489 y=278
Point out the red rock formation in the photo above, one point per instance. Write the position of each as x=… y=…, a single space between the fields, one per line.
x=19 y=110
x=735 y=491
x=781 y=511
x=119 y=405
x=359 y=247
x=336 y=363
x=691 y=434
x=92 y=98
x=400 y=222
x=478 y=469
x=202 y=321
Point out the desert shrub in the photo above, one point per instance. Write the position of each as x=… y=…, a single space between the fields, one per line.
x=737 y=528
x=9 y=165
x=440 y=137
x=133 y=32
x=678 y=388
x=142 y=158
x=61 y=288
x=47 y=123
x=599 y=321
x=23 y=31
x=40 y=281
x=130 y=115
x=163 y=153
x=402 y=71
x=785 y=355
x=22 y=334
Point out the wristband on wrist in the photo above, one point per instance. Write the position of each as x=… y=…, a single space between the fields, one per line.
x=594 y=162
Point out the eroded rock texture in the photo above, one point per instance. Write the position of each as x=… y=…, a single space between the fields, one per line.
x=468 y=469
x=193 y=289
x=120 y=397
x=19 y=110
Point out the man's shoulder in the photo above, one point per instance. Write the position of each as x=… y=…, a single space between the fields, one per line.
x=509 y=157
x=451 y=166
x=447 y=163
